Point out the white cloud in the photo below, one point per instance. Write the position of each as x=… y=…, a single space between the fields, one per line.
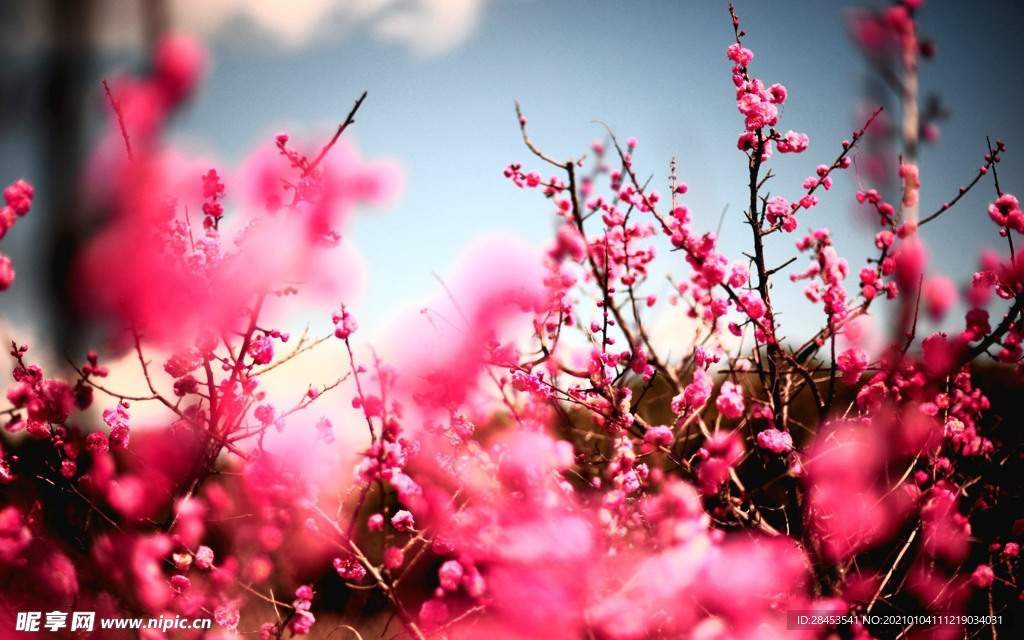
x=428 y=27
x=432 y=26
x=292 y=22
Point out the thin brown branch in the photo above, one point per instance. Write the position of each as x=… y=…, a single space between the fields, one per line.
x=116 y=106
x=337 y=134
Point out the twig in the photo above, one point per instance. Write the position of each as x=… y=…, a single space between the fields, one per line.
x=116 y=106
x=337 y=134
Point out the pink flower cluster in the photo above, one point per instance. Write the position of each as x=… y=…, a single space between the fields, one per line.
x=18 y=197
x=826 y=273
x=760 y=108
x=775 y=440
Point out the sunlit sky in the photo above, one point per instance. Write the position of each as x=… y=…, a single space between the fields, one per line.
x=441 y=88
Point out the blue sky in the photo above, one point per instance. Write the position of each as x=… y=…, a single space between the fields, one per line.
x=655 y=70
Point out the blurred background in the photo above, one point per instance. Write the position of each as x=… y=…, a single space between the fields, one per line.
x=442 y=76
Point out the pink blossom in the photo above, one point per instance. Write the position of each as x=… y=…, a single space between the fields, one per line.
x=748 y=142
x=982 y=577
x=450 y=575
x=808 y=201
x=730 y=400
x=141 y=560
x=846 y=504
x=946 y=530
x=403 y=521
x=753 y=305
x=739 y=274
x=409 y=492
x=59 y=575
x=375 y=522
x=96 y=442
x=659 y=436
x=180 y=583
x=6 y=273
x=793 y=142
x=777 y=209
x=7 y=219
x=695 y=394
x=813 y=291
x=1006 y=213
x=394 y=557
x=868 y=275
x=183 y=362
x=51 y=401
x=911 y=259
x=569 y=244
x=185 y=385
x=302 y=622
x=265 y=414
x=433 y=613
x=19 y=394
x=939 y=353
x=204 y=557
x=758 y=111
x=262 y=350
x=775 y=440
x=18 y=196
x=189 y=276
x=721 y=452
x=740 y=55
x=714 y=269
x=939 y=294
x=884 y=239
x=911 y=183
x=325 y=430
x=852 y=363
x=719 y=307
x=344 y=324
x=730 y=584
x=117 y=420
x=15 y=536
x=494 y=290
x=178 y=61
x=268 y=631
x=349 y=569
